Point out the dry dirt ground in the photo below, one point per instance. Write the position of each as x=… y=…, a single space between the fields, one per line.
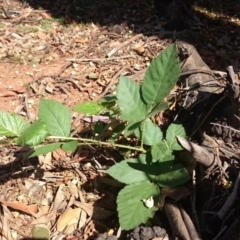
x=59 y=51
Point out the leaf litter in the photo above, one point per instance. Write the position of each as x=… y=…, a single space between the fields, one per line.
x=43 y=58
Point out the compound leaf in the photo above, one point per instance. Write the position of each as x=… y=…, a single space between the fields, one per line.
x=43 y=150
x=160 y=151
x=158 y=108
x=89 y=108
x=125 y=173
x=161 y=76
x=11 y=125
x=131 y=106
x=173 y=176
x=70 y=146
x=34 y=134
x=131 y=127
x=131 y=209
x=151 y=133
x=173 y=131
x=56 y=116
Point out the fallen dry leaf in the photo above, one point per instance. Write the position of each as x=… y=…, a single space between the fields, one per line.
x=68 y=221
x=4 y=225
x=19 y=89
x=90 y=230
x=59 y=200
x=6 y=93
x=57 y=154
x=29 y=209
x=43 y=36
x=139 y=49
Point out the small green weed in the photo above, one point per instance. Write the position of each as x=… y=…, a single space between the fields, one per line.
x=2 y=25
x=28 y=28
x=46 y=24
x=130 y=112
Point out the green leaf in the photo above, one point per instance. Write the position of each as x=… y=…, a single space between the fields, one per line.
x=131 y=106
x=151 y=133
x=169 y=159
x=108 y=98
x=34 y=134
x=125 y=173
x=160 y=151
x=131 y=209
x=43 y=150
x=161 y=76
x=173 y=176
x=131 y=127
x=11 y=125
x=157 y=109
x=56 y=116
x=70 y=146
x=173 y=131
x=40 y=232
x=89 y=108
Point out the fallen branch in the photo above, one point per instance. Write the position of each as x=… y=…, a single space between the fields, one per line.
x=200 y=154
x=189 y=224
x=175 y=219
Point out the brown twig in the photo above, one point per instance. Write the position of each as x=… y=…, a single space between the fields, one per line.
x=99 y=59
x=189 y=224
x=175 y=219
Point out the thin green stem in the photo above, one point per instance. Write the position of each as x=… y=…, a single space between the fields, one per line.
x=143 y=132
x=96 y=142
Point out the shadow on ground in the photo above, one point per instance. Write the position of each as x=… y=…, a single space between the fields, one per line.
x=211 y=26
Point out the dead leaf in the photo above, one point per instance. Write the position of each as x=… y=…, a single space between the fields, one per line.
x=89 y=230
x=139 y=49
x=83 y=219
x=68 y=221
x=60 y=152
x=87 y=207
x=6 y=93
x=43 y=36
x=57 y=154
x=73 y=188
x=19 y=89
x=80 y=40
x=29 y=209
x=93 y=76
x=47 y=161
x=45 y=219
x=4 y=226
x=59 y=200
